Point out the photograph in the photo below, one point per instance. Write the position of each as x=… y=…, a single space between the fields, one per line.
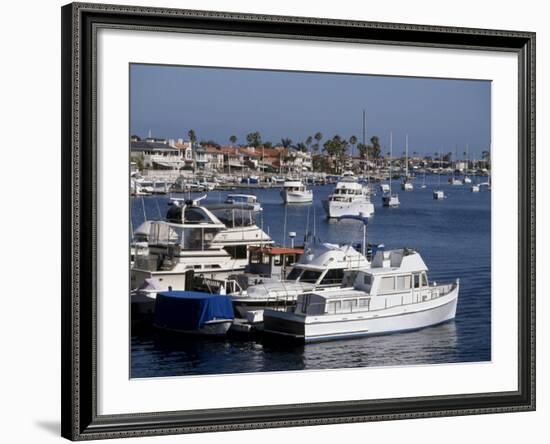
x=286 y=221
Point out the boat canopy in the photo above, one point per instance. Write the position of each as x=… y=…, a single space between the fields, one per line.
x=321 y=256
x=234 y=217
x=191 y=215
x=190 y=310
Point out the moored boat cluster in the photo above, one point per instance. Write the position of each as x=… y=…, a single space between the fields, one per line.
x=210 y=269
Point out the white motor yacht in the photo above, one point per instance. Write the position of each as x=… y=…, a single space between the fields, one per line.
x=350 y=198
x=390 y=200
x=294 y=191
x=393 y=295
x=407 y=186
x=455 y=181
x=320 y=267
x=195 y=240
x=240 y=200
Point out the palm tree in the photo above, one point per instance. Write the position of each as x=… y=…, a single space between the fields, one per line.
x=375 y=148
x=233 y=140
x=192 y=136
x=308 y=142
x=254 y=139
x=352 y=141
x=286 y=142
x=318 y=136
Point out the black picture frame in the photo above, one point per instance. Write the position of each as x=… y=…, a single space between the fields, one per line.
x=79 y=209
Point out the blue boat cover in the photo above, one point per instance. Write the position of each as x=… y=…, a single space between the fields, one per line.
x=190 y=310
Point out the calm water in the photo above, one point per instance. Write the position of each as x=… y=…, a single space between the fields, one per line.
x=453 y=237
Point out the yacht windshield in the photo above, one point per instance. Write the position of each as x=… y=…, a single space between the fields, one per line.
x=294 y=274
x=310 y=276
x=233 y=218
x=333 y=277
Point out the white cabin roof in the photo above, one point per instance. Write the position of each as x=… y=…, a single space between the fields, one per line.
x=326 y=255
x=349 y=185
x=242 y=196
x=293 y=183
x=403 y=260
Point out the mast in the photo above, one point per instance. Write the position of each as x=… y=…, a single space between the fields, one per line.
x=365 y=145
x=439 y=172
x=406 y=156
x=391 y=154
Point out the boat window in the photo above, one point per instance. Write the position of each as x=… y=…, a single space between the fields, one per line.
x=235 y=217
x=334 y=306
x=294 y=274
x=387 y=284
x=333 y=276
x=255 y=258
x=403 y=282
x=367 y=282
x=195 y=215
x=424 y=280
x=237 y=251
x=416 y=280
x=349 y=305
x=310 y=276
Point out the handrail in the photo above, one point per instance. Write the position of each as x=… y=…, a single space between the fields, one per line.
x=433 y=291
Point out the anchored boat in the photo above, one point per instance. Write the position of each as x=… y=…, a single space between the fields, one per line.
x=240 y=200
x=388 y=198
x=393 y=295
x=294 y=191
x=320 y=267
x=350 y=198
x=193 y=312
x=195 y=240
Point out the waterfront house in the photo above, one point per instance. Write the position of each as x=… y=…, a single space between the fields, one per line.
x=233 y=159
x=154 y=153
x=214 y=158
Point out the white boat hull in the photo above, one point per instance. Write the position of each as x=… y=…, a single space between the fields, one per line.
x=342 y=209
x=340 y=326
x=390 y=201
x=297 y=196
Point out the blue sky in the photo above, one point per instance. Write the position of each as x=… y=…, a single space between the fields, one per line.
x=438 y=114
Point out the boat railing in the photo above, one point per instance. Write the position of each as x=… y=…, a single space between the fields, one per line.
x=363 y=303
x=214 y=285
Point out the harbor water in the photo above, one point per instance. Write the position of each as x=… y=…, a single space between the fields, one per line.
x=452 y=235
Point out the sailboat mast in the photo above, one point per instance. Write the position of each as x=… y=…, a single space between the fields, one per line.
x=406 y=156
x=440 y=166
x=364 y=129
x=391 y=154
x=365 y=145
